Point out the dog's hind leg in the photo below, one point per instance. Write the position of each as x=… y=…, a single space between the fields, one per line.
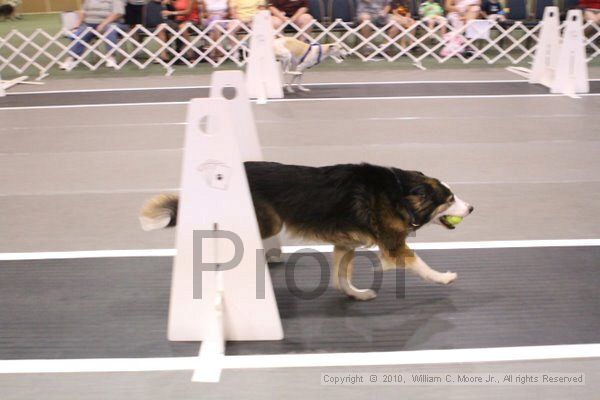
x=298 y=78
x=342 y=274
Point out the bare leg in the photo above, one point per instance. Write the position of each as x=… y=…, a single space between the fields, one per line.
x=342 y=275
x=302 y=21
x=162 y=35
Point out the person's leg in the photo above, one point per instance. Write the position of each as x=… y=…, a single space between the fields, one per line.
x=276 y=22
x=214 y=32
x=162 y=35
x=443 y=22
x=395 y=28
x=77 y=47
x=232 y=28
x=304 y=20
x=112 y=35
x=185 y=35
x=366 y=31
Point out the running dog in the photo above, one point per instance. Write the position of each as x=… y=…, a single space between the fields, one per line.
x=349 y=206
x=296 y=56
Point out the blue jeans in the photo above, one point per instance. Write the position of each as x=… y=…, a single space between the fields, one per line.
x=77 y=47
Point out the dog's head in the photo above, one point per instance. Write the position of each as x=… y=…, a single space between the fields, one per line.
x=336 y=52
x=429 y=200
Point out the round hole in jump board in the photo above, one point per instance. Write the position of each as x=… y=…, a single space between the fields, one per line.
x=551 y=14
x=203 y=124
x=574 y=18
x=229 y=92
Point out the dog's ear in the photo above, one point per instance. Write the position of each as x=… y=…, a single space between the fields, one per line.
x=419 y=191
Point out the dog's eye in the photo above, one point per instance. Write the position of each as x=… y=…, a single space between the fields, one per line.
x=451 y=199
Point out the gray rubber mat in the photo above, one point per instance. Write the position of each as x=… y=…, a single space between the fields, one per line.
x=317 y=92
x=94 y=308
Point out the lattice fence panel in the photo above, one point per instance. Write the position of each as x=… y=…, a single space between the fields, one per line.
x=227 y=41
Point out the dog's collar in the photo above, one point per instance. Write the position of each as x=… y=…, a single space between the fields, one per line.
x=411 y=214
x=308 y=51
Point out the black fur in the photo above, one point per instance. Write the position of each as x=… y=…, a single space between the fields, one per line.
x=328 y=202
x=6 y=10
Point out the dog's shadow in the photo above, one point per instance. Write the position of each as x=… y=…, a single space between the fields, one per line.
x=399 y=318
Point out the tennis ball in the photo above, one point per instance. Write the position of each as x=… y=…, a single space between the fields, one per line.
x=453 y=220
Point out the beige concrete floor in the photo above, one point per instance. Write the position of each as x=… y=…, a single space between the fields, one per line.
x=73 y=179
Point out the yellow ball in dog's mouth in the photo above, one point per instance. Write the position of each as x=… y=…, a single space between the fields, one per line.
x=453 y=220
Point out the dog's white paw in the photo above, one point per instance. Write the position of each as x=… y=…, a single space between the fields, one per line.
x=448 y=277
x=289 y=89
x=363 y=295
x=303 y=88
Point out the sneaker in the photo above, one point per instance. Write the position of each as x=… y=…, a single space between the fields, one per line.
x=67 y=65
x=111 y=62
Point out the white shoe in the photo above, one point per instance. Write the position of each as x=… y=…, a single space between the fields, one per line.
x=67 y=65
x=111 y=63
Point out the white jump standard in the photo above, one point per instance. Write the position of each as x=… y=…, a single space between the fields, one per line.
x=213 y=304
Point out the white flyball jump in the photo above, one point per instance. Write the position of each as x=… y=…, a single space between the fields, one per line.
x=571 y=74
x=221 y=288
x=559 y=64
x=546 y=54
x=263 y=75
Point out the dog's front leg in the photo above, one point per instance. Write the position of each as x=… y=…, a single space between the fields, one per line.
x=342 y=275
x=412 y=262
x=415 y=264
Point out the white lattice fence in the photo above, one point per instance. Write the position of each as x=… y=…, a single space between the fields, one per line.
x=41 y=51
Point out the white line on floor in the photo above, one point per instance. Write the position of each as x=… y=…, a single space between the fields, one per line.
x=63 y=127
x=479 y=96
x=165 y=103
x=121 y=89
x=84 y=192
x=504 y=96
x=307 y=84
x=418 y=357
x=499 y=244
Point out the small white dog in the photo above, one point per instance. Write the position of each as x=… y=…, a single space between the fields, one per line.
x=297 y=56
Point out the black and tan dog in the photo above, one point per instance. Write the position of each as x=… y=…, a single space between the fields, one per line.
x=349 y=205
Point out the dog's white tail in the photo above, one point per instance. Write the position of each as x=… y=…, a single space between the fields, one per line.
x=159 y=212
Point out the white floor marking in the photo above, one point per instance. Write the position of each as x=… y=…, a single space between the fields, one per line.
x=111 y=151
x=62 y=127
x=498 y=244
x=165 y=103
x=84 y=192
x=504 y=96
x=500 y=96
x=418 y=357
x=409 y=82
x=100 y=90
